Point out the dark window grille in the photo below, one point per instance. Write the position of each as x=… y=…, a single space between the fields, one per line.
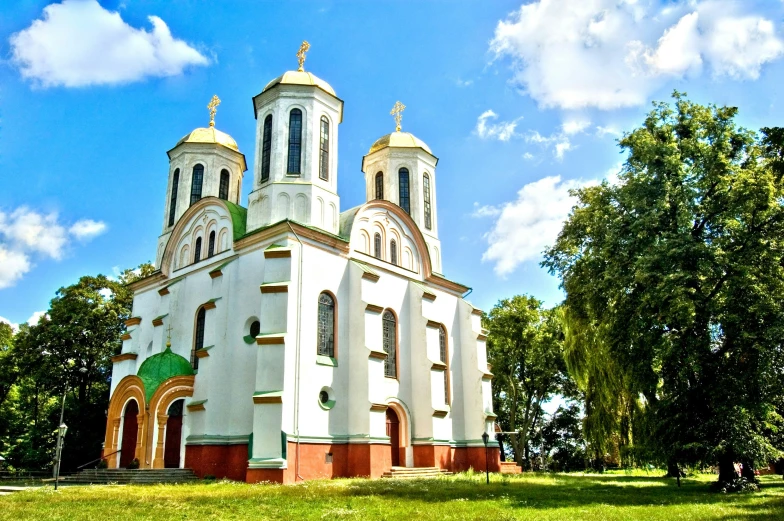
x=197 y=250
x=405 y=201
x=442 y=347
x=393 y=252
x=223 y=191
x=324 y=150
x=198 y=341
x=379 y=185
x=173 y=201
x=266 y=148
x=196 y=181
x=255 y=328
x=211 y=245
x=390 y=344
x=295 y=141
x=326 y=325
x=377 y=245
x=426 y=188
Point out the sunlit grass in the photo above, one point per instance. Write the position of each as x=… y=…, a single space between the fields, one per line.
x=465 y=496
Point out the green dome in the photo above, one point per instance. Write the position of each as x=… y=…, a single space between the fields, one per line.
x=159 y=368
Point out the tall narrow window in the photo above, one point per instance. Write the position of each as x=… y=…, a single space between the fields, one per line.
x=295 y=141
x=326 y=325
x=393 y=252
x=426 y=190
x=198 y=337
x=380 y=185
x=377 y=245
x=197 y=250
x=211 y=244
x=196 y=182
x=390 y=344
x=445 y=361
x=324 y=150
x=405 y=202
x=266 y=148
x=223 y=191
x=173 y=201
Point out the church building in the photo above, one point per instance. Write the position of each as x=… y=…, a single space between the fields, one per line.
x=287 y=339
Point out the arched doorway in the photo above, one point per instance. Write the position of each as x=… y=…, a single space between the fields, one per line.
x=171 y=452
x=130 y=431
x=393 y=431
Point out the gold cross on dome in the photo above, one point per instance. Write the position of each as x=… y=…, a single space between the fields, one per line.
x=301 y=55
x=213 y=106
x=397 y=111
x=168 y=336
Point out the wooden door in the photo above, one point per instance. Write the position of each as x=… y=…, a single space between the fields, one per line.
x=130 y=432
x=393 y=431
x=171 y=451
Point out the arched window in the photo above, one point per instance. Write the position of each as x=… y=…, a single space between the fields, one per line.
x=173 y=201
x=223 y=191
x=445 y=360
x=211 y=244
x=326 y=325
x=196 y=181
x=198 y=337
x=295 y=142
x=324 y=150
x=393 y=252
x=405 y=202
x=426 y=191
x=377 y=245
x=266 y=148
x=380 y=185
x=197 y=250
x=390 y=344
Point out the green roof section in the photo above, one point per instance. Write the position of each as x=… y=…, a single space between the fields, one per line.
x=159 y=368
x=364 y=267
x=275 y=246
x=239 y=218
x=219 y=268
x=160 y=317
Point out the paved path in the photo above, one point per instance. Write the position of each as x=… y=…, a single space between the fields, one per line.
x=4 y=491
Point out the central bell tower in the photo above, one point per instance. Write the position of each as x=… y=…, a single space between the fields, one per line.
x=295 y=175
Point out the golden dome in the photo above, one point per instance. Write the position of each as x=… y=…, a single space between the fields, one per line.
x=301 y=78
x=399 y=140
x=209 y=135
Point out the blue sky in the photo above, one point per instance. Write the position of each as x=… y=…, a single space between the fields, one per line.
x=520 y=101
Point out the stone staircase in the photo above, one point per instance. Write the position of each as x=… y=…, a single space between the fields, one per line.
x=415 y=473
x=126 y=476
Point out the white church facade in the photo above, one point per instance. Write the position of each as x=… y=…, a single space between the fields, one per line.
x=288 y=340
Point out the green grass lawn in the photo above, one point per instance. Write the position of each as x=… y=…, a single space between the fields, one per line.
x=465 y=496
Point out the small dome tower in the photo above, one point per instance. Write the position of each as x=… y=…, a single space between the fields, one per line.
x=205 y=162
x=295 y=174
x=401 y=168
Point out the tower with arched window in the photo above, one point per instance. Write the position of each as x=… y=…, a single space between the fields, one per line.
x=401 y=168
x=297 y=118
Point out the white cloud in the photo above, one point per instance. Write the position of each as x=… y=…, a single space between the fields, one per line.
x=484 y=211
x=14 y=325
x=558 y=142
x=87 y=229
x=25 y=232
x=574 y=126
x=527 y=226
x=79 y=43
x=528 y=156
x=502 y=131
x=36 y=317
x=616 y=53
x=609 y=130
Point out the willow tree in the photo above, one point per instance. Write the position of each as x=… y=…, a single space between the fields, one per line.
x=524 y=345
x=678 y=270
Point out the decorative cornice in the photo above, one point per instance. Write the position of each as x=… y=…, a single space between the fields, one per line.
x=277 y=254
x=428 y=296
x=204 y=352
x=438 y=366
x=268 y=397
x=432 y=323
x=163 y=291
x=125 y=336
x=196 y=406
x=373 y=308
x=210 y=304
x=481 y=337
x=372 y=277
x=378 y=355
x=150 y=280
x=158 y=321
x=133 y=321
x=440 y=413
x=487 y=376
x=378 y=407
x=274 y=287
x=478 y=312
x=123 y=356
x=271 y=339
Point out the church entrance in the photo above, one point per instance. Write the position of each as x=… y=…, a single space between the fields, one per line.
x=171 y=451
x=130 y=431
x=393 y=431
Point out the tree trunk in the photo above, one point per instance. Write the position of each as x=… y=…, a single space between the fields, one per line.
x=727 y=468
x=748 y=471
x=674 y=471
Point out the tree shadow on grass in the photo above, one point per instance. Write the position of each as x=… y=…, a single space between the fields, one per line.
x=570 y=491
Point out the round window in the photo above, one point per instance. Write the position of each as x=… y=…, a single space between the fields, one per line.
x=255 y=328
x=324 y=397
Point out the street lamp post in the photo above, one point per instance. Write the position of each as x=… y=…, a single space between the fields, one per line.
x=61 y=430
x=485 y=439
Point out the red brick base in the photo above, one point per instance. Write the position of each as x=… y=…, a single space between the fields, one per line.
x=352 y=460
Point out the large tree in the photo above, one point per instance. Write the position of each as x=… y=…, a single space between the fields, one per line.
x=524 y=345
x=676 y=271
